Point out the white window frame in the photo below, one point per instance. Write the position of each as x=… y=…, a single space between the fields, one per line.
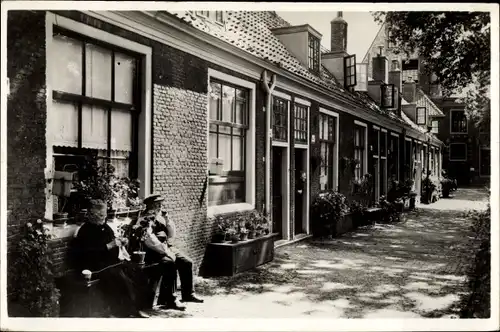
x=465 y=151
x=365 y=156
x=145 y=118
x=304 y=103
x=249 y=203
x=336 y=152
x=451 y=123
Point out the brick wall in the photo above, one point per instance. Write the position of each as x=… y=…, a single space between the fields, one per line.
x=179 y=162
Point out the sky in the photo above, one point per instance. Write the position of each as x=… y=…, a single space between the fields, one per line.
x=361 y=29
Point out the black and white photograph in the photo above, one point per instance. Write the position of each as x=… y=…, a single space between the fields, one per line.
x=249 y=166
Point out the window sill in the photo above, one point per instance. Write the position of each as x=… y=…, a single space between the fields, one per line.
x=229 y=208
x=62 y=231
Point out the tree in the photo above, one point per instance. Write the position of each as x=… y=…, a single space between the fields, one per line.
x=455 y=47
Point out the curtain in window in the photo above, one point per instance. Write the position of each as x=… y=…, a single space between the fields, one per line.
x=98 y=72
x=124 y=78
x=121 y=130
x=66 y=65
x=94 y=127
x=64 y=124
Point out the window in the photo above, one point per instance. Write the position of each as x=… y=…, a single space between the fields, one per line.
x=361 y=77
x=421 y=116
x=216 y=15
x=458 y=151
x=280 y=119
x=359 y=150
x=228 y=112
x=313 y=56
x=387 y=95
x=95 y=107
x=327 y=138
x=350 y=71
x=410 y=70
x=435 y=127
x=390 y=38
x=300 y=122
x=458 y=122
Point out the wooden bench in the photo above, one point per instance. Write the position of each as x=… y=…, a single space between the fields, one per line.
x=80 y=296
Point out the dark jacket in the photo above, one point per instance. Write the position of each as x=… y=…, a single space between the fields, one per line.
x=90 y=247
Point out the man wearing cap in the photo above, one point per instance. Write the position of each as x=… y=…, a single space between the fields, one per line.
x=160 y=248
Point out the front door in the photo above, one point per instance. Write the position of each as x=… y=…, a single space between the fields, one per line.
x=277 y=190
x=300 y=190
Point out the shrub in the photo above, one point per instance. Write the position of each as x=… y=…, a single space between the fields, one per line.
x=391 y=212
x=34 y=290
x=477 y=303
x=327 y=208
x=358 y=210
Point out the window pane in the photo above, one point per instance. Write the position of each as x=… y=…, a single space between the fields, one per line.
x=120 y=160
x=121 y=130
x=240 y=113
x=225 y=151
x=94 y=127
x=212 y=146
x=215 y=94
x=66 y=65
x=228 y=95
x=124 y=78
x=64 y=124
x=237 y=153
x=98 y=72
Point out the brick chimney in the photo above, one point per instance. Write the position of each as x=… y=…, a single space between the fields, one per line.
x=409 y=90
x=380 y=69
x=334 y=61
x=338 y=34
x=395 y=77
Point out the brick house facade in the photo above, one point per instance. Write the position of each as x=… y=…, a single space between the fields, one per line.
x=182 y=64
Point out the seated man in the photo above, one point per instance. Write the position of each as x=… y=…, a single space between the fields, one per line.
x=97 y=249
x=171 y=258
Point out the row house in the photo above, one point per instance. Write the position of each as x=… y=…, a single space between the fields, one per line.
x=221 y=112
x=466 y=149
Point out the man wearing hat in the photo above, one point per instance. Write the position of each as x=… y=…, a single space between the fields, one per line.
x=160 y=248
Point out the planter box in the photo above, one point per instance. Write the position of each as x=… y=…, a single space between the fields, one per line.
x=344 y=225
x=228 y=259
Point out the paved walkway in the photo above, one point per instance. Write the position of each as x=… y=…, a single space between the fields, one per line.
x=411 y=269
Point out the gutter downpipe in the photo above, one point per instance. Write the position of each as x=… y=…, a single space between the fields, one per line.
x=269 y=90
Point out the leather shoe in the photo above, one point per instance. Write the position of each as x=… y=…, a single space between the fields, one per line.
x=192 y=298
x=176 y=305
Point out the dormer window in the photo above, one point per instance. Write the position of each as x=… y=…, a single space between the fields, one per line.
x=388 y=95
x=421 y=116
x=410 y=70
x=313 y=58
x=350 y=71
x=216 y=15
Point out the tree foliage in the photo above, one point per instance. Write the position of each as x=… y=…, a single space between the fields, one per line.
x=455 y=46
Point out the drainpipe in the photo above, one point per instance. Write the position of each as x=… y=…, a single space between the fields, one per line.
x=269 y=90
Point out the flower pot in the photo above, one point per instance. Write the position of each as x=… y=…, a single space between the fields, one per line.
x=251 y=235
x=244 y=236
x=60 y=218
x=139 y=256
x=235 y=238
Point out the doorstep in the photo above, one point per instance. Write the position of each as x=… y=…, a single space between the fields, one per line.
x=298 y=237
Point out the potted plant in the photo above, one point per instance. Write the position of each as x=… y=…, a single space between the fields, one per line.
x=137 y=235
x=428 y=187
x=243 y=234
x=250 y=226
x=326 y=211
x=446 y=187
x=220 y=230
x=357 y=210
x=233 y=235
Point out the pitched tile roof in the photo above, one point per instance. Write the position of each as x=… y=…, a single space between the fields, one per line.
x=251 y=32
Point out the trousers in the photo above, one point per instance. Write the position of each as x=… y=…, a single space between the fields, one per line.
x=168 y=270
